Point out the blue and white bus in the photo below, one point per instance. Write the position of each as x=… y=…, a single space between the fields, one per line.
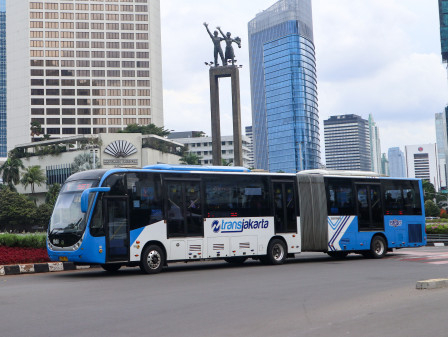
x=159 y=214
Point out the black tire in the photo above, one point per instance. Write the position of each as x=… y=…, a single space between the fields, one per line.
x=276 y=253
x=111 y=268
x=153 y=259
x=339 y=255
x=236 y=260
x=378 y=247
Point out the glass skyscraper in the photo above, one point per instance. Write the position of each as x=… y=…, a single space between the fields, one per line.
x=3 y=151
x=397 y=166
x=443 y=13
x=284 y=88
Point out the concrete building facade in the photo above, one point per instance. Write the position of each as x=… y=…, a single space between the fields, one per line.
x=82 y=67
x=347 y=143
x=422 y=163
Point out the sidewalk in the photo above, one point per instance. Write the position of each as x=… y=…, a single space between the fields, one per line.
x=32 y=268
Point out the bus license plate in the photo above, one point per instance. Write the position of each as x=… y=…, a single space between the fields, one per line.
x=63 y=258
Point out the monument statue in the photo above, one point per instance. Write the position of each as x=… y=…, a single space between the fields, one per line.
x=217 y=43
x=230 y=54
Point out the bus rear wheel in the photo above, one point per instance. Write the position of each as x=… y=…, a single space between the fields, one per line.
x=153 y=259
x=111 y=268
x=276 y=253
x=378 y=247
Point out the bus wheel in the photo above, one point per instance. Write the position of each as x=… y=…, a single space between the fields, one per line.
x=378 y=247
x=338 y=255
x=236 y=260
x=111 y=268
x=152 y=260
x=276 y=253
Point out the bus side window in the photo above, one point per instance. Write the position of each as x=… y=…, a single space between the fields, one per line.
x=393 y=199
x=340 y=197
x=411 y=198
x=144 y=198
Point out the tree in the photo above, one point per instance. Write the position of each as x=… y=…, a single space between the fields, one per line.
x=52 y=194
x=17 y=212
x=36 y=129
x=431 y=208
x=225 y=162
x=84 y=162
x=33 y=175
x=150 y=129
x=11 y=172
x=190 y=158
x=428 y=190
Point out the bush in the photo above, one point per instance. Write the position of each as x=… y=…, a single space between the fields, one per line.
x=37 y=240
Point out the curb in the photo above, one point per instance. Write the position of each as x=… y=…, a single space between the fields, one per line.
x=437 y=244
x=32 y=268
x=432 y=284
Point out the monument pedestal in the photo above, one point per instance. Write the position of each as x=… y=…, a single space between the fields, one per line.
x=216 y=73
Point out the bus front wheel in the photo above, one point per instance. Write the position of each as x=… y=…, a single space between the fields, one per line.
x=276 y=253
x=152 y=260
x=378 y=247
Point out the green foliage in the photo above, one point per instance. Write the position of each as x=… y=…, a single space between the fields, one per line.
x=52 y=194
x=150 y=129
x=84 y=162
x=428 y=190
x=190 y=159
x=36 y=129
x=431 y=208
x=16 y=210
x=437 y=229
x=10 y=171
x=37 y=240
x=33 y=175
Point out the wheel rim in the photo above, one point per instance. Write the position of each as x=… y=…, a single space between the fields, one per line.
x=379 y=247
x=278 y=252
x=154 y=259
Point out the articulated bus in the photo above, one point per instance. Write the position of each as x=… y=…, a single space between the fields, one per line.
x=159 y=214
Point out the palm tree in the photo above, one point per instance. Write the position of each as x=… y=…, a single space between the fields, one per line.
x=11 y=172
x=33 y=175
x=190 y=158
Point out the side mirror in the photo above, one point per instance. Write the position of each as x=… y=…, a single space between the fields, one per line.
x=85 y=196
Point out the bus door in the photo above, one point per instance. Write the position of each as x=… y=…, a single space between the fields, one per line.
x=184 y=208
x=369 y=207
x=117 y=228
x=285 y=214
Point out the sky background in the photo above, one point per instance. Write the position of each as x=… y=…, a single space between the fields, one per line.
x=373 y=56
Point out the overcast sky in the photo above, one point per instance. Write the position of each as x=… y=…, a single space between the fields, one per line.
x=373 y=56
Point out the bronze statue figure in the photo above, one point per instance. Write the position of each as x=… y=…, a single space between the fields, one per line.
x=217 y=43
x=230 y=55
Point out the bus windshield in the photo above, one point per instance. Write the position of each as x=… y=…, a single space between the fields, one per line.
x=67 y=217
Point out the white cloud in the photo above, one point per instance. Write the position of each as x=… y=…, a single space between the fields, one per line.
x=373 y=56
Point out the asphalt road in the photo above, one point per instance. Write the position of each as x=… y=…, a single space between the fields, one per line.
x=312 y=295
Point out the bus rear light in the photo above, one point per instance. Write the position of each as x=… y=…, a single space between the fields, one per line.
x=100 y=250
x=233 y=251
x=137 y=242
x=294 y=236
x=136 y=255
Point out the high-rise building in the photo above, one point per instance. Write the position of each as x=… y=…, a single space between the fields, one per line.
x=347 y=143
x=385 y=169
x=421 y=163
x=250 y=135
x=397 y=161
x=3 y=130
x=375 y=146
x=442 y=145
x=284 y=87
x=82 y=67
x=443 y=14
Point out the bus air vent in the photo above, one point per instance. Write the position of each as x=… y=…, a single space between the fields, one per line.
x=415 y=233
x=218 y=246
x=244 y=245
x=195 y=248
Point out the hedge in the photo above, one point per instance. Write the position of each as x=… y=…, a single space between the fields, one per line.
x=37 y=240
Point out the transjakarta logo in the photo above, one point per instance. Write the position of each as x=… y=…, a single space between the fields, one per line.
x=238 y=226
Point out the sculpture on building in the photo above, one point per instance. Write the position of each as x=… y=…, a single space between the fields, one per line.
x=230 y=54
x=217 y=45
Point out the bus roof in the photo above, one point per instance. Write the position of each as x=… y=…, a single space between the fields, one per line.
x=196 y=168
